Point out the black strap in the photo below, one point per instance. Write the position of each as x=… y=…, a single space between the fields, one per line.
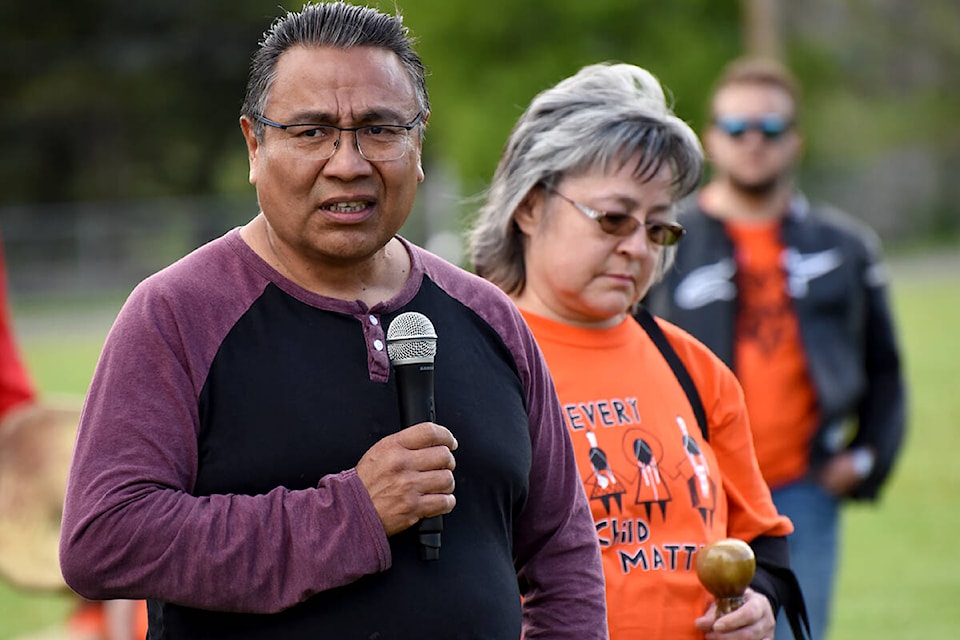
x=774 y=575
x=683 y=376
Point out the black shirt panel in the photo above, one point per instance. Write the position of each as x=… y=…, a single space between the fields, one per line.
x=289 y=399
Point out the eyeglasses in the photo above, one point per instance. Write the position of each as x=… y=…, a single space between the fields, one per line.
x=770 y=126
x=622 y=225
x=375 y=142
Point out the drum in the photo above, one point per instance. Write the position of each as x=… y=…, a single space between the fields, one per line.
x=36 y=446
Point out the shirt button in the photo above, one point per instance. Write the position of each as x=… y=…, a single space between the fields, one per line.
x=378 y=345
x=373 y=320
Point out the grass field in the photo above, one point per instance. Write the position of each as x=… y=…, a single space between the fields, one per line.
x=900 y=574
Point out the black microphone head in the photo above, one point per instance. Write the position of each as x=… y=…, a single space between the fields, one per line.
x=411 y=339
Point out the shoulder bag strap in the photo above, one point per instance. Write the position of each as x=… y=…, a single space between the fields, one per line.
x=683 y=376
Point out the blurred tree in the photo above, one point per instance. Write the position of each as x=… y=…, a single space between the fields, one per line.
x=882 y=95
x=762 y=28
x=118 y=100
x=490 y=59
x=110 y=99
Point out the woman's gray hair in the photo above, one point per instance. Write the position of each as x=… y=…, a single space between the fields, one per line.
x=330 y=24
x=599 y=118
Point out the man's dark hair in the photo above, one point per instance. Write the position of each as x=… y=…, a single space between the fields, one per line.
x=330 y=24
x=758 y=71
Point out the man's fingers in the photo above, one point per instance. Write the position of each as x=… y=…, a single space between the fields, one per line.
x=436 y=457
x=437 y=482
x=437 y=504
x=409 y=475
x=426 y=434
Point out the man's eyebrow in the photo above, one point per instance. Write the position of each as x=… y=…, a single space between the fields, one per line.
x=312 y=117
x=373 y=116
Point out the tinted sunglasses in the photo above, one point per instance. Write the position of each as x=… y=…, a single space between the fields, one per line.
x=664 y=234
x=771 y=127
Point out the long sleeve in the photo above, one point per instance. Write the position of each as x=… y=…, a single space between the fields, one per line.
x=556 y=547
x=133 y=529
x=882 y=412
x=751 y=509
x=752 y=515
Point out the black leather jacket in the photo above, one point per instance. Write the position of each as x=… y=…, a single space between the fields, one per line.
x=838 y=287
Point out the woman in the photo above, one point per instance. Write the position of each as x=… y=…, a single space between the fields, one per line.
x=578 y=224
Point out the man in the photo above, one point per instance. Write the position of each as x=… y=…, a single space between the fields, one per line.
x=792 y=296
x=241 y=461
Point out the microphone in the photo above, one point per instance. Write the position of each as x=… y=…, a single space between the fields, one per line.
x=411 y=347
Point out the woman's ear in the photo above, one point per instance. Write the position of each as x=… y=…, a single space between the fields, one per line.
x=530 y=211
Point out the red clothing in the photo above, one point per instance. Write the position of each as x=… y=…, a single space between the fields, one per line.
x=657 y=490
x=90 y=620
x=16 y=387
x=769 y=357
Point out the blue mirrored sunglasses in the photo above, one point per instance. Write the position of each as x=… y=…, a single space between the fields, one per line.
x=771 y=127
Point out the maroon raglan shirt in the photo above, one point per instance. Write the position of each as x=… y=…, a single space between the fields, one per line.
x=214 y=473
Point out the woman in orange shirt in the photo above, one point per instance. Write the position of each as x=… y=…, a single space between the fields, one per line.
x=578 y=224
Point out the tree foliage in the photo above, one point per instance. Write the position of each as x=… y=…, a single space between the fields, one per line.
x=490 y=59
x=115 y=100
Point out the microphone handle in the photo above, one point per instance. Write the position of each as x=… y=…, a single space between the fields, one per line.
x=415 y=387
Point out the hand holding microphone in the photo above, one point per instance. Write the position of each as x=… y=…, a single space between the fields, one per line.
x=410 y=474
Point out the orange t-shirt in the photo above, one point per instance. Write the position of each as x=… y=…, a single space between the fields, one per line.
x=657 y=490
x=769 y=357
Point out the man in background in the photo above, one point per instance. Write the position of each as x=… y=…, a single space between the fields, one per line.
x=793 y=296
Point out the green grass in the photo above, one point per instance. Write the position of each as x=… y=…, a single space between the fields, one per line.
x=900 y=573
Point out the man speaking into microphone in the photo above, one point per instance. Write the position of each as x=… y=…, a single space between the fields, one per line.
x=243 y=462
